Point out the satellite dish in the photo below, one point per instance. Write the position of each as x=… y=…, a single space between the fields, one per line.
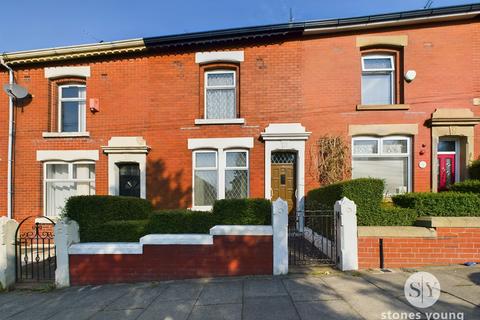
x=15 y=91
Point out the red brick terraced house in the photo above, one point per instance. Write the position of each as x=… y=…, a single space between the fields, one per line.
x=187 y=119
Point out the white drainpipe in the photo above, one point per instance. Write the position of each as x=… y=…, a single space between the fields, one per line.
x=10 y=144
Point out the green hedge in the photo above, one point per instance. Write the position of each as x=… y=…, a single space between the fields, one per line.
x=472 y=186
x=243 y=211
x=474 y=170
x=367 y=193
x=392 y=216
x=229 y=212
x=116 y=231
x=180 y=221
x=93 y=212
x=126 y=219
x=99 y=209
x=440 y=204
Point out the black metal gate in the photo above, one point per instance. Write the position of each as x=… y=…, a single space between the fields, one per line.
x=35 y=251
x=312 y=238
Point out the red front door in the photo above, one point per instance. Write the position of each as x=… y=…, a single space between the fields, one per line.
x=446 y=171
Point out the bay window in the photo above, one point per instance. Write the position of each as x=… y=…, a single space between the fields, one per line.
x=72 y=101
x=63 y=180
x=387 y=158
x=220 y=94
x=378 y=79
x=219 y=174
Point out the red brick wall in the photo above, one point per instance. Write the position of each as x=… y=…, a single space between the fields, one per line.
x=313 y=80
x=451 y=246
x=228 y=256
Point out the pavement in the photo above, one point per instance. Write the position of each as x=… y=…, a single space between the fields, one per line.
x=315 y=294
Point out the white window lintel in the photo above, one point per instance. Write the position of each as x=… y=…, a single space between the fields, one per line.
x=67 y=155
x=220 y=121
x=213 y=56
x=220 y=143
x=58 y=72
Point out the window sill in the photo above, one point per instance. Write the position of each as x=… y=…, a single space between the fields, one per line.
x=385 y=107
x=220 y=121
x=66 y=134
x=43 y=220
x=201 y=208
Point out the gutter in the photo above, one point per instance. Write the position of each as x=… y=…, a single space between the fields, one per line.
x=234 y=35
x=337 y=26
x=75 y=52
x=10 y=145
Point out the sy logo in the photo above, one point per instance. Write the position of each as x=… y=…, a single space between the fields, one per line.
x=422 y=289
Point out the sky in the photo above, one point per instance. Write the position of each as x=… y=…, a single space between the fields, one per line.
x=35 y=24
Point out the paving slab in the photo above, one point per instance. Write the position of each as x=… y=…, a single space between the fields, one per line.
x=217 y=312
x=229 y=292
x=73 y=313
x=448 y=303
x=168 y=310
x=365 y=298
x=329 y=309
x=460 y=283
x=181 y=291
x=391 y=282
x=338 y=296
x=137 y=297
x=117 y=314
x=269 y=308
x=20 y=302
x=100 y=296
x=264 y=288
x=309 y=288
x=53 y=301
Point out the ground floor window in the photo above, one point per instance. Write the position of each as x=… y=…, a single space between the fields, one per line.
x=386 y=158
x=65 y=179
x=219 y=175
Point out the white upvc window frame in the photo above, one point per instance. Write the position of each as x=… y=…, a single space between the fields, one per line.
x=220 y=168
x=380 y=153
x=246 y=168
x=194 y=168
x=391 y=70
x=68 y=179
x=82 y=112
x=224 y=87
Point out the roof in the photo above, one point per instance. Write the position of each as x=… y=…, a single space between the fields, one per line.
x=234 y=35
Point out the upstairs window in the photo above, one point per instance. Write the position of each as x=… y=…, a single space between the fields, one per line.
x=71 y=111
x=220 y=94
x=378 y=79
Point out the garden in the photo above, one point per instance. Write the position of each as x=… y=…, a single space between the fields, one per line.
x=462 y=199
x=127 y=219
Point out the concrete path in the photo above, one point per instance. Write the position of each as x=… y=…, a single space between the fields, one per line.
x=366 y=295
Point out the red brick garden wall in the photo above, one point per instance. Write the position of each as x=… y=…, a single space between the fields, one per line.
x=451 y=246
x=228 y=256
